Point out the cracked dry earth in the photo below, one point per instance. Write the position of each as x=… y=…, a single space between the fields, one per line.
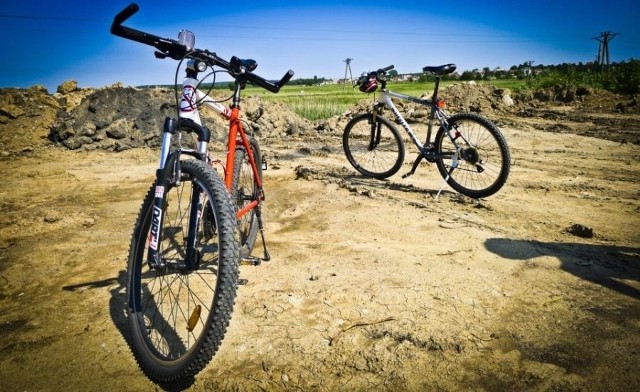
x=373 y=285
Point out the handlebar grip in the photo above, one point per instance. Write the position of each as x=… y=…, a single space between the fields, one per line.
x=385 y=69
x=267 y=85
x=285 y=79
x=124 y=15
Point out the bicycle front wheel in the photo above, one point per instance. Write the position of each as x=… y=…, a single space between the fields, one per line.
x=178 y=315
x=374 y=148
x=479 y=165
x=245 y=190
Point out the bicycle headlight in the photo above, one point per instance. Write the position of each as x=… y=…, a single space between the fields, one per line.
x=197 y=65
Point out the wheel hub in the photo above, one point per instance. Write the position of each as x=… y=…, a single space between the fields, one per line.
x=470 y=154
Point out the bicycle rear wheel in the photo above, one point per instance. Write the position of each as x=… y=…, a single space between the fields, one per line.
x=375 y=149
x=244 y=190
x=178 y=317
x=481 y=166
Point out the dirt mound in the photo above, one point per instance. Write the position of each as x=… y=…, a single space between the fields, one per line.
x=26 y=115
x=122 y=118
x=479 y=98
x=118 y=118
x=112 y=119
x=489 y=99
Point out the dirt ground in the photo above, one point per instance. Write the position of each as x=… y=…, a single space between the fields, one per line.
x=373 y=285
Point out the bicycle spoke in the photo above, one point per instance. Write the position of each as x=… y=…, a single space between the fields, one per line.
x=377 y=154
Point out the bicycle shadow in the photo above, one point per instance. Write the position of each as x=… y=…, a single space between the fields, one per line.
x=606 y=265
x=118 y=314
x=390 y=185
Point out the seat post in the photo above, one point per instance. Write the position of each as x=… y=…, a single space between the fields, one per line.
x=432 y=112
x=435 y=89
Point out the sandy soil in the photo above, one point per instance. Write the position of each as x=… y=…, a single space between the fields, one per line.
x=373 y=285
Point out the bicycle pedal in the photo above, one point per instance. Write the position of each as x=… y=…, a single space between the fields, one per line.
x=250 y=260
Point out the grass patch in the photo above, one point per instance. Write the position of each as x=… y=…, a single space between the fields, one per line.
x=314 y=102
x=322 y=102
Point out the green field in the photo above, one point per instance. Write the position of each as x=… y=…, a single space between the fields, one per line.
x=321 y=102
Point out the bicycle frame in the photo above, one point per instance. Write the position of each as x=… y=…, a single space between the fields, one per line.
x=435 y=113
x=191 y=97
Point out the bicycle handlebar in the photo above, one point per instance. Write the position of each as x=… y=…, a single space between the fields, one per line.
x=171 y=48
x=124 y=15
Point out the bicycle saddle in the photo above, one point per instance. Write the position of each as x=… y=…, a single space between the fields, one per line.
x=440 y=70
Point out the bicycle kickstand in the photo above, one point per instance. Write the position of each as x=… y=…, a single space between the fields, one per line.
x=444 y=183
x=267 y=256
x=454 y=165
x=414 y=166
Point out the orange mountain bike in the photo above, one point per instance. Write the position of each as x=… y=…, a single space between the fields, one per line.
x=193 y=227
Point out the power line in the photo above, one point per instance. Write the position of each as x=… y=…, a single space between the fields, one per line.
x=452 y=36
x=31 y=17
x=270 y=28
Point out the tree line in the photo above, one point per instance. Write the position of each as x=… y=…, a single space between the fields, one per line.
x=622 y=77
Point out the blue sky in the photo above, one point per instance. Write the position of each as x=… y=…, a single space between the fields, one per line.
x=49 y=42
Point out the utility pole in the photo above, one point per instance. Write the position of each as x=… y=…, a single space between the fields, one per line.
x=603 y=49
x=347 y=68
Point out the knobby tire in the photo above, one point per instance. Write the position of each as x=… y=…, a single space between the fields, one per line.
x=179 y=318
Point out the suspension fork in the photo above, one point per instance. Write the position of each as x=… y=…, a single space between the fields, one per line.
x=163 y=177
x=192 y=258
x=169 y=174
x=375 y=126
